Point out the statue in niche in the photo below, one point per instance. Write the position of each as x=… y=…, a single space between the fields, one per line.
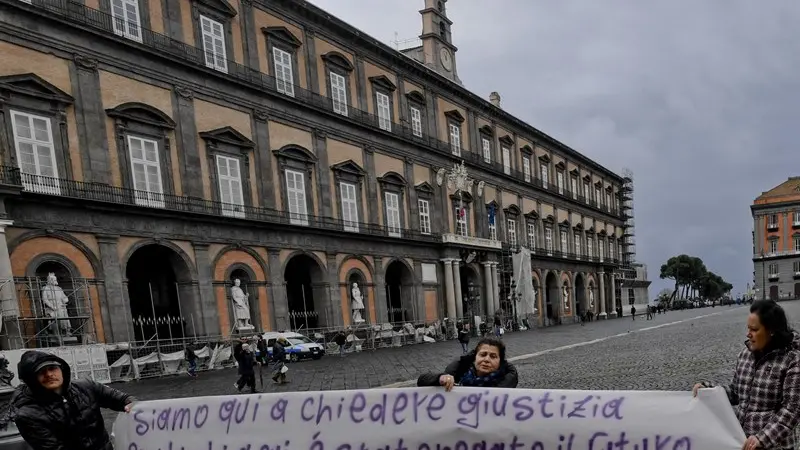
x=565 y=294
x=357 y=304
x=241 y=306
x=591 y=299
x=6 y=375
x=55 y=306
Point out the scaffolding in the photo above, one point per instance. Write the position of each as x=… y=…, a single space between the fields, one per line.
x=628 y=227
x=48 y=314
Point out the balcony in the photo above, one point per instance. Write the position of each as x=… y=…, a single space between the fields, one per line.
x=773 y=276
x=768 y=255
x=457 y=239
x=163 y=46
x=116 y=196
x=772 y=226
x=542 y=252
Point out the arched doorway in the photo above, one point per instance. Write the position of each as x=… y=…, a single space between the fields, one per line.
x=305 y=292
x=246 y=283
x=552 y=298
x=157 y=278
x=471 y=293
x=400 y=293
x=581 y=304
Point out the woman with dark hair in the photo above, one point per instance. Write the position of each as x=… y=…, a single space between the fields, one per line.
x=486 y=366
x=765 y=391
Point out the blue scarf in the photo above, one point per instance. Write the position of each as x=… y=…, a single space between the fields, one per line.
x=472 y=379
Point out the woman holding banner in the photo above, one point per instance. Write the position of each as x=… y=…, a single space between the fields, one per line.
x=486 y=366
x=765 y=391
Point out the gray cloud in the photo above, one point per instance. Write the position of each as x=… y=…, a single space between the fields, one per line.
x=699 y=99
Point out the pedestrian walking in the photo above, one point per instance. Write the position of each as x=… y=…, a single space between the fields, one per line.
x=191 y=360
x=247 y=373
x=650 y=312
x=55 y=412
x=340 y=339
x=498 y=327
x=765 y=391
x=463 y=338
x=279 y=355
x=633 y=313
x=486 y=366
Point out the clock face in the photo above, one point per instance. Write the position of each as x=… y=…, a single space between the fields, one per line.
x=446 y=58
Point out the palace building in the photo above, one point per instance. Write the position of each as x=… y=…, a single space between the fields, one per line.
x=153 y=151
x=776 y=242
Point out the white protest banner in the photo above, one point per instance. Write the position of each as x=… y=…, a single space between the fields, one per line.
x=431 y=419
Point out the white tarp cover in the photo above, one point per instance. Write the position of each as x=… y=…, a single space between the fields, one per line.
x=524 y=278
x=430 y=419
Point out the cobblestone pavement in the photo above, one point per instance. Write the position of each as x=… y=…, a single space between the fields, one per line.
x=611 y=354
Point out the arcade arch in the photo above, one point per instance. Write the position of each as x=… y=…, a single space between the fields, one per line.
x=305 y=292
x=400 y=303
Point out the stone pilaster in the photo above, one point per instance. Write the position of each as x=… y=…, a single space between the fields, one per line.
x=335 y=303
x=320 y=144
x=381 y=308
x=312 y=68
x=457 y=286
x=119 y=316
x=449 y=288
x=187 y=142
x=263 y=159
x=208 y=312
x=372 y=186
x=489 y=294
x=90 y=120
x=279 y=307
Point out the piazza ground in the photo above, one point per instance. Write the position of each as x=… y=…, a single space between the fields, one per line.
x=668 y=353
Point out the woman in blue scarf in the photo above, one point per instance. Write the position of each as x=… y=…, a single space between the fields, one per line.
x=486 y=366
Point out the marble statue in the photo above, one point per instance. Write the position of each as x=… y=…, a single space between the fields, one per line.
x=591 y=299
x=357 y=304
x=565 y=293
x=535 y=299
x=6 y=375
x=241 y=306
x=55 y=305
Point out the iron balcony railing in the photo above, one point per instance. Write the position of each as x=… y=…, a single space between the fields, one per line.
x=165 y=46
x=99 y=192
x=542 y=252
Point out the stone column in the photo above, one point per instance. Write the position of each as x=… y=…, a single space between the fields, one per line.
x=613 y=312
x=449 y=289
x=8 y=297
x=489 y=296
x=209 y=314
x=119 y=317
x=279 y=306
x=495 y=287
x=381 y=307
x=602 y=281
x=335 y=305
x=457 y=286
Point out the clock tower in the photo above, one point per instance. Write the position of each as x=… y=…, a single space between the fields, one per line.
x=438 y=51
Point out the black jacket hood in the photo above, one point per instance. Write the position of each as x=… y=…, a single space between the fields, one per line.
x=27 y=370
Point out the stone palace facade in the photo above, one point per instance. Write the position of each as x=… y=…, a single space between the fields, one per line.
x=155 y=150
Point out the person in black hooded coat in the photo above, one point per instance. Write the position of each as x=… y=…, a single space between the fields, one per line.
x=486 y=366
x=53 y=412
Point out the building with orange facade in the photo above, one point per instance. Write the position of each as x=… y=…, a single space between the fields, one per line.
x=776 y=241
x=153 y=151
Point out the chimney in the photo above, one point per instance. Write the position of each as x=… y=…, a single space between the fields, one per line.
x=494 y=98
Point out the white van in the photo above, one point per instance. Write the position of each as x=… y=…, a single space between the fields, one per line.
x=301 y=346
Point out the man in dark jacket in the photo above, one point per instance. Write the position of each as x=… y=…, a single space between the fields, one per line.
x=279 y=356
x=55 y=413
x=247 y=373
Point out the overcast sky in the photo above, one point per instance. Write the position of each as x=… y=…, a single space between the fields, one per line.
x=701 y=99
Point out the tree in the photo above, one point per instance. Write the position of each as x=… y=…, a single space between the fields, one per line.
x=693 y=279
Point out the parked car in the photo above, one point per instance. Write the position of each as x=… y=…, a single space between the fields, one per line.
x=301 y=346
x=10 y=438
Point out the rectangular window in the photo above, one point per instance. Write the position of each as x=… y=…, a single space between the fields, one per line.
x=349 y=207
x=296 y=195
x=601 y=249
x=545 y=174
x=773 y=221
x=511 y=227
x=33 y=139
x=284 y=75
x=214 y=44
x=548 y=240
x=230 y=186
x=393 y=213
x=416 y=122
x=564 y=243
x=560 y=182
x=455 y=139
x=611 y=249
x=125 y=18
x=608 y=200
x=461 y=222
x=487 y=150
x=574 y=186
x=384 y=111
x=532 y=235
x=526 y=168
x=424 y=217
x=773 y=269
x=796 y=267
x=796 y=221
x=590 y=247
x=146 y=172
x=598 y=196
x=586 y=192
x=773 y=246
x=339 y=93
x=506 y=160
x=797 y=244
x=493 y=231
x=578 y=245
